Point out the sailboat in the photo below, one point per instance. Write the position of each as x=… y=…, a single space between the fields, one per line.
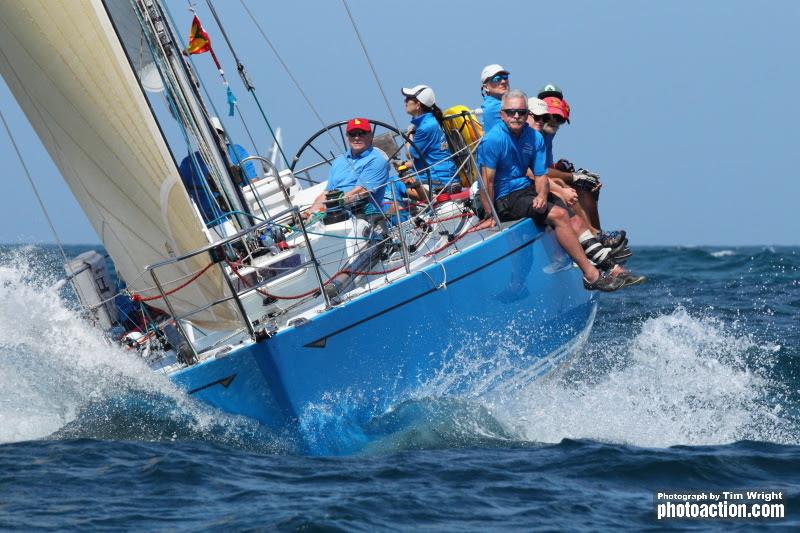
x=243 y=307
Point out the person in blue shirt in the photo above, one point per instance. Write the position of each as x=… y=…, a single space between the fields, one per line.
x=578 y=189
x=514 y=175
x=361 y=173
x=236 y=154
x=400 y=193
x=494 y=84
x=194 y=174
x=428 y=146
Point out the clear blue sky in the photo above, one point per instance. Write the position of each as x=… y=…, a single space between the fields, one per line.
x=688 y=110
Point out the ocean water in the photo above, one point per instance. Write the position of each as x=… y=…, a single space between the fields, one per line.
x=690 y=382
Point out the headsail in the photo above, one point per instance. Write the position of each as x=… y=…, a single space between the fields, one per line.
x=67 y=69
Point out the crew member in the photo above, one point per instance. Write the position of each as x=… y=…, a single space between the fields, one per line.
x=361 y=173
x=494 y=84
x=513 y=154
x=428 y=146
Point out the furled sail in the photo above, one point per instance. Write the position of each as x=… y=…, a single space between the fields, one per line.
x=65 y=66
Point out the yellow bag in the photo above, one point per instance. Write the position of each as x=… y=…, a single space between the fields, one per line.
x=463 y=133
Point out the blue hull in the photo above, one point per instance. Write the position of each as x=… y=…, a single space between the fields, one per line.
x=510 y=308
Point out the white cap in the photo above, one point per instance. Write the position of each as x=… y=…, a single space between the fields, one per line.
x=490 y=70
x=422 y=93
x=537 y=106
x=217 y=124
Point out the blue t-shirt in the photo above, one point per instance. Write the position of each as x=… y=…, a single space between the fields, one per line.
x=429 y=149
x=511 y=157
x=369 y=169
x=193 y=171
x=237 y=153
x=491 y=111
x=401 y=196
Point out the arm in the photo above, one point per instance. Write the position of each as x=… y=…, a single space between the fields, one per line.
x=542 y=190
x=415 y=190
x=560 y=189
x=317 y=206
x=537 y=171
x=566 y=177
x=487 y=190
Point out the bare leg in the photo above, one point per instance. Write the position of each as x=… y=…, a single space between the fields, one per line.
x=589 y=204
x=560 y=221
x=577 y=208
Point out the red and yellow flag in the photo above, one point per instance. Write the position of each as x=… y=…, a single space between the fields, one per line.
x=198 y=38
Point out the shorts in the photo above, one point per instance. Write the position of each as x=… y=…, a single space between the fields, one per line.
x=519 y=204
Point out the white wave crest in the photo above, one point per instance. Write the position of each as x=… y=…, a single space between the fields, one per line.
x=681 y=380
x=723 y=253
x=52 y=363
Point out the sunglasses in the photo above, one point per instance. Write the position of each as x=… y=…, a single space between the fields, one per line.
x=552 y=118
x=516 y=112
x=357 y=133
x=497 y=78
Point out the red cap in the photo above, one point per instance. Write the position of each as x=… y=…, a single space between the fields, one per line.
x=359 y=124
x=557 y=106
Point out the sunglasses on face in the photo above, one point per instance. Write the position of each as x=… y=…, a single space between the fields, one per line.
x=497 y=78
x=357 y=133
x=516 y=112
x=558 y=119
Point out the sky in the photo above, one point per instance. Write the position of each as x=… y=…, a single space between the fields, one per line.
x=687 y=110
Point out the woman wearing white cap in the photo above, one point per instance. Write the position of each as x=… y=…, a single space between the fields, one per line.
x=429 y=146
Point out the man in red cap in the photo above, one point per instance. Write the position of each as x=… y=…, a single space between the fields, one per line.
x=362 y=172
x=553 y=113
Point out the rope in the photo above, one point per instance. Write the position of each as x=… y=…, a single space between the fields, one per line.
x=140 y=298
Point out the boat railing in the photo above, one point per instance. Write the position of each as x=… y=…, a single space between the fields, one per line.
x=239 y=288
x=218 y=254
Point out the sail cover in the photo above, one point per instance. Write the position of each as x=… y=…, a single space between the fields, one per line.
x=65 y=66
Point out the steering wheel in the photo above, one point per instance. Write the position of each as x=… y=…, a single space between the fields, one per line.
x=312 y=161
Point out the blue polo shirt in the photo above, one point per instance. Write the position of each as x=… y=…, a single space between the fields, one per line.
x=491 y=112
x=429 y=149
x=370 y=169
x=511 y=157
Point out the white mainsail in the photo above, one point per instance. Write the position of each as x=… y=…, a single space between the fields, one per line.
x=65 y=66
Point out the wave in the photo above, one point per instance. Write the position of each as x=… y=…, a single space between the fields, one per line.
x=722 y=253
x=682 y=380
x=60 y=378
x=679 y=378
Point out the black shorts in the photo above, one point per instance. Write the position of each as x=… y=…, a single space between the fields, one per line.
x=519 y=204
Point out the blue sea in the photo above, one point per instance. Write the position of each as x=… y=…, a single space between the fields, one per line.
x=689 y=383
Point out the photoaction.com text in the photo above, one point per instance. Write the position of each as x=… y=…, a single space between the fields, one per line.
x=744 y=504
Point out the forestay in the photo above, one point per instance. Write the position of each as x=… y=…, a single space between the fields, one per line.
x=67 y=69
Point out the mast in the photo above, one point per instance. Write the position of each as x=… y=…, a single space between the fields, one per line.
x=166 y=43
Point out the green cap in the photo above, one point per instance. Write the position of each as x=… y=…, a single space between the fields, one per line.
x=550 y=89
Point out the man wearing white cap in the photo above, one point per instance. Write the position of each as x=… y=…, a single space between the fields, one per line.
x=494 y=84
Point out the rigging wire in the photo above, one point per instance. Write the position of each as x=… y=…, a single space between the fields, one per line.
x=245 y=80
x=286 y=68
x=305 y=96
x=41 y=203
x=371 y=65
